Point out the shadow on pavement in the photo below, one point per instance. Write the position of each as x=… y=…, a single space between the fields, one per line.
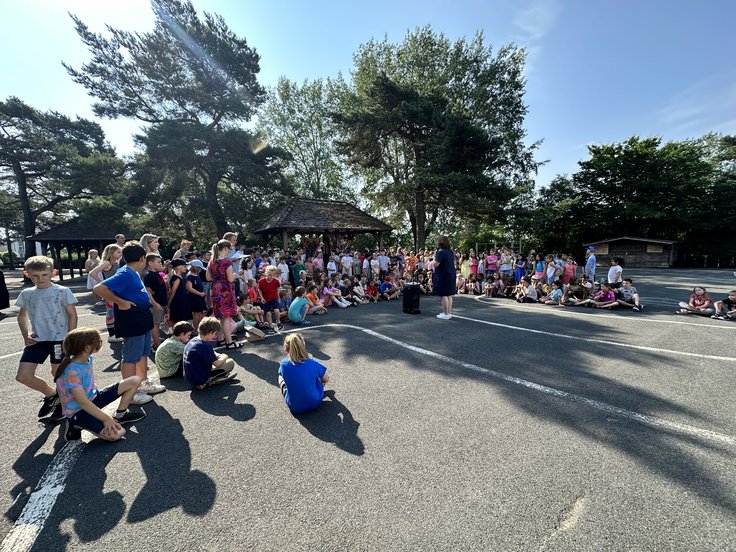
x=333 y=422
x=220 y=401
x=165 y=457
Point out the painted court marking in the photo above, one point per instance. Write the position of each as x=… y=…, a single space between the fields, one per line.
x=41 y=502
x=580 y=311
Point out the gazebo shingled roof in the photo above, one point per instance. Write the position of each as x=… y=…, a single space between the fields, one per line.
x=319 y=215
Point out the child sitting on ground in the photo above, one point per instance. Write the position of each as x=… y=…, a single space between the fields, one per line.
x=699 y=303
x=628 y=296
x=555 y=295
x=527 y=292
x=248 y=311
x=317 y=306
x=603 y=299
x=388 y=290
x=726 y=308
x=81 y=401
x=202 y=366
x=299 y=308
x=301 y=378
x=170 y=354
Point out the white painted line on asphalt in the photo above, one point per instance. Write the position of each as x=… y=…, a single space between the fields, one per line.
x=35 y=513
x=605 y=407
x=580 y=311
x=598 y=341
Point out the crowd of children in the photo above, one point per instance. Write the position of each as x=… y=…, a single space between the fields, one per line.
x=203 y=300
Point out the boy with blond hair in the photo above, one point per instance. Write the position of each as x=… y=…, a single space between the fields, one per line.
x=47 y=314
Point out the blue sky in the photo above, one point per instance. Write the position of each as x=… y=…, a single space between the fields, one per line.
x=597 y=72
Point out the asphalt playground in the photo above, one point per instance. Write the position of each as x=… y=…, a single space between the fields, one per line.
x=509 y=427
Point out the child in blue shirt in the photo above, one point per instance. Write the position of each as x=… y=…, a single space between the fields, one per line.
x=202 y=366
x=555 y=295
x=301 y=378
x=133 y=318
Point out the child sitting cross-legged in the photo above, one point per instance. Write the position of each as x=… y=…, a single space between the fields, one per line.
x=81 y=401
x=202 y=366
x=170 y=354
x=555 y=295
x=301 y=378
x=604 y=299
x=300 y=307
x=726 y=308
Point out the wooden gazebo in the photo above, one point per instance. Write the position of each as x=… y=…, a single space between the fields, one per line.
x=77 y=236
x=329 y=219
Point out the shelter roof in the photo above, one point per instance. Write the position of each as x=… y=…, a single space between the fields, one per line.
x=630 y=238
x=319 y=215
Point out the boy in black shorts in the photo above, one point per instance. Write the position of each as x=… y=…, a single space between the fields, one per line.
x=726 y=308
x=47 y=314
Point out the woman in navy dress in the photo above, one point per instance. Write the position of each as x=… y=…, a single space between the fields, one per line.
x=443 y=279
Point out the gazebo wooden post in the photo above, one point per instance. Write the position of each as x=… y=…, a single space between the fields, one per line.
x=70 y=260
x=285 y=239
x=56 y=255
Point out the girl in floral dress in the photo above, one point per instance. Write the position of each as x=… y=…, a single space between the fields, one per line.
x=224 y=304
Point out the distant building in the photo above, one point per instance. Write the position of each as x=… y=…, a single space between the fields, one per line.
x=636 y=252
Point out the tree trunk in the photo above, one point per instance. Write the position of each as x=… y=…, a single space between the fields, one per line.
x=29 y=222
x=213 y=205
x=421 y=219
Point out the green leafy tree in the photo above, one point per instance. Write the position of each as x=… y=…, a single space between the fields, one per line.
x=297 y=119
x=194 y=82
x=49 y=161
x=459 y=148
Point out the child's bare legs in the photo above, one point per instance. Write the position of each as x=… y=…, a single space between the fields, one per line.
x=155 y=335
x=27 y=376
x=196 y=319
x=225 y=323
x=127 y=389
x=139 y=369
x=447 y=304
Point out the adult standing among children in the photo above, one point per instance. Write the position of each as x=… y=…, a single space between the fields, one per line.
x=589 y=270
x=443 y=280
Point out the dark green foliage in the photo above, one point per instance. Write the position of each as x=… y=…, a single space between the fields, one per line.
x=194 y=81
x=49 y=163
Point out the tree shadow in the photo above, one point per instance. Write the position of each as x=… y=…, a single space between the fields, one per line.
x=333 y=422
x=220 y=400
x=30 y=466
x=165 y=457
x=674 y=455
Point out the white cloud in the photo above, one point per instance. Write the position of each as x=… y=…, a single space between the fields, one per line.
x=533 y=22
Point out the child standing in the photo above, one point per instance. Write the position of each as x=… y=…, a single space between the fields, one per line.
x=301 y=378
x=195 y=290
x=615 y=273
x=108 y=266
x=179 y=306
x=133 y=318
x=202 y=366
x=170 y=355
x=81 y=401
x=158 y=294
x=47 y=314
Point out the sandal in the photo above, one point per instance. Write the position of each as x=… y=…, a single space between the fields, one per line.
x=234 y=345
x=221 y=343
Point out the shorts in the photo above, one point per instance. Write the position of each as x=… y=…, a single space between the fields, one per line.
x=271 y=306
x=158 y=317
x=38 y=353
x=136 y=347
x=615 y=285
x=85 y=420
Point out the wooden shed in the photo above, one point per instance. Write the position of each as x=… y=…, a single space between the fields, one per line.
x=331 y=220
x=636 y=252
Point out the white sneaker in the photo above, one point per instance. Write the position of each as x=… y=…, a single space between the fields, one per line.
x=150 y=388
x=141 y=398
x=113 y=339
x=443 y=316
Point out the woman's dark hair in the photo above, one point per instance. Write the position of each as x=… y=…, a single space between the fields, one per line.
x=443 y=242
x=75 y=343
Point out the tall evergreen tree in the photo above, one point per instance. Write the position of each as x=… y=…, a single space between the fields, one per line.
x=194 y=82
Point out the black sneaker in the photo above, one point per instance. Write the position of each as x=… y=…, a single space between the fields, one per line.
x=270 y=331
x=130 y=417
x=72 y=433
x=48 y=405
x=56 y=414
x=280 y=326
